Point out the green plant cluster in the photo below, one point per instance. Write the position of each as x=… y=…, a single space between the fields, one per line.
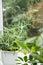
x=20 y=32
x=34 y=48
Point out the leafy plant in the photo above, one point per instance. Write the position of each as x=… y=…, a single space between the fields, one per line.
x=21 y=31
x=25 y=60
x=33 y=48
x=7 y=41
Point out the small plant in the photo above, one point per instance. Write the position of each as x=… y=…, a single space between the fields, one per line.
x=33 y=49
x=26 y=60
x=22 y=61
x=7 y=41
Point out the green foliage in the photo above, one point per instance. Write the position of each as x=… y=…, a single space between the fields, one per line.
x=25 y=58
x=33 y=49
x=25 y=64
x=33 y=2
x=20 y=58
x=7 y=41
x=14 y=18
x=21 y=44
x=21 y=31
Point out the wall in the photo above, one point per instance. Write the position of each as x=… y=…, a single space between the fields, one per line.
x=1 y=17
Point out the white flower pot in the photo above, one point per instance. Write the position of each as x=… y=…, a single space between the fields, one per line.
x=8 y=57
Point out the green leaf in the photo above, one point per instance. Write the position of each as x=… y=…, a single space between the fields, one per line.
x=18 y=63
x=20 y=58
x=34 y=63
x=38 y=57
x=25 y=58
x=13 y=47
x=25 y=64
x=21 y=44
x=30 y=40
x=41 y=50
x=39 y=41
x=30 y=57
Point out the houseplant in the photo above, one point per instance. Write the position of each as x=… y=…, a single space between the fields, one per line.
x=15 y=29
x=34 y=50
x=9 y=49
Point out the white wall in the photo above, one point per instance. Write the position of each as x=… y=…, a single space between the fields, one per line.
x=1 y=17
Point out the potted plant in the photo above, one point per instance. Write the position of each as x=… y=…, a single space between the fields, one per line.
x=8 y=49
x=10 y=42
x=33 y=48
